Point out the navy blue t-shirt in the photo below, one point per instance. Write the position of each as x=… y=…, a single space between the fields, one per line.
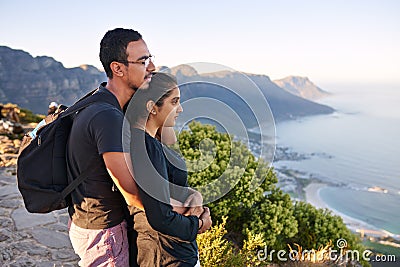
x=96 y=129
x=154 y=168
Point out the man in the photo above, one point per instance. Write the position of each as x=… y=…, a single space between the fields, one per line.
x=98 y=229
x=52 y=108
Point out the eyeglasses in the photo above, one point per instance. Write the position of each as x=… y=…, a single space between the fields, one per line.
x=145 y=61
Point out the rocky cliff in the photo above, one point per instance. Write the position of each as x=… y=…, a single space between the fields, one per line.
x=302 y=87
x=33 y=82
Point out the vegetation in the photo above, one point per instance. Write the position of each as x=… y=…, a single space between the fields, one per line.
x=318 y=227
x=257 y=216
x=27 y=116
x=15 y=117
x=232 y=165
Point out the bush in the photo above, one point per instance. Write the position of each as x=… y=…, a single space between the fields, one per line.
x=264 y=215
x=27 y=116
x=318 y=227
x=215 y=250
x=211 y=155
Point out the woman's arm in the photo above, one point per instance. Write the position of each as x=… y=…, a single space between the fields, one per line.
x=178 y=207
x=186 y=209
x=150 y=172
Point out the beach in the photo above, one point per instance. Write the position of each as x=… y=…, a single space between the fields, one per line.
x=312 y=193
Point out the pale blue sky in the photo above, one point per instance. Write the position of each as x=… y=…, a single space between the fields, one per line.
x=328 y=41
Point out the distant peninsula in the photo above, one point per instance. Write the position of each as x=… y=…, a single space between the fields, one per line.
x=302 y=87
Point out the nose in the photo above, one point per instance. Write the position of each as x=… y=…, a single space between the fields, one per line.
x=151 y=67
x=179 y=109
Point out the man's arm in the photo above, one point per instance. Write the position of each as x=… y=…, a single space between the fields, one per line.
x=117 y=166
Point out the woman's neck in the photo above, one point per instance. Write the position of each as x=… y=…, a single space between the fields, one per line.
x=148 y=126
x=151 y=128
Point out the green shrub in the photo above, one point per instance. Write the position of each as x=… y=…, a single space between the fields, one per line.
x=262 y=216
x=214 y=156
x=215 y=250
x=27 y=116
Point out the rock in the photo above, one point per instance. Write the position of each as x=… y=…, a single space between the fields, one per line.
x=7 y=148
x=4 y=176
x=64 y=255
x=28 y=239
x=6 y=234
x=51 y=239
x=46 y=264
x=17 y=143
x=32 y=248
x=63 y=219
x=11 y=162
x=6 y=222
x=3 y=237
x=8 y=151
x=59 y=227
x=9 y=191
x=24 y=220
x=23 y=261
x=6 y=254
x=11 y=203
x=4 y=211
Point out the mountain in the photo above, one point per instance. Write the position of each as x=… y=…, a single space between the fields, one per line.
x=34 y=82
x=301 y=86
x=244 y=93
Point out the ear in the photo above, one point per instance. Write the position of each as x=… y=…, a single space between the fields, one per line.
x=117 y=69
x=150 y=107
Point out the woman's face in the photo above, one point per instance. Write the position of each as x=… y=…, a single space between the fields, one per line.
x=167 y=114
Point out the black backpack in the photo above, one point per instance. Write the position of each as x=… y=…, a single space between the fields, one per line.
x=42 y=165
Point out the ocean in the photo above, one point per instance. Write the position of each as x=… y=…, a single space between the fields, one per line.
x=356 y=150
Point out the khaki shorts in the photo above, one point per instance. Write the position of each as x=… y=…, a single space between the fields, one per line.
x=101 y=248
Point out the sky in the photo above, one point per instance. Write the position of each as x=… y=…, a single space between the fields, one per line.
x=338 y=41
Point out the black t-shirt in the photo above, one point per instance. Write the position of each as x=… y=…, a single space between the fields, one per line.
x=154 y=166
x=96 y=129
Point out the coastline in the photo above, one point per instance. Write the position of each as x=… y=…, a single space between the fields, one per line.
x=312 y=195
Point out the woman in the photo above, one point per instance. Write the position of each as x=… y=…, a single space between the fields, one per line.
x=161 y=175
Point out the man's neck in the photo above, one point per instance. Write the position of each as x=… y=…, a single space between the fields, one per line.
x=121 y=92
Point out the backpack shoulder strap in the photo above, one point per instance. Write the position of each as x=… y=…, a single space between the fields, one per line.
x=74 y=184
x=90 y=98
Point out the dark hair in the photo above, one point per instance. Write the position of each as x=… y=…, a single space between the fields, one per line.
x=113 y=47
x=160 y=87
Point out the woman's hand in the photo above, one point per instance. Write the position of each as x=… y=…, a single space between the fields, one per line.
x=205 y=221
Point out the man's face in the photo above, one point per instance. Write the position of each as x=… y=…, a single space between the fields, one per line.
x=138 y=75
